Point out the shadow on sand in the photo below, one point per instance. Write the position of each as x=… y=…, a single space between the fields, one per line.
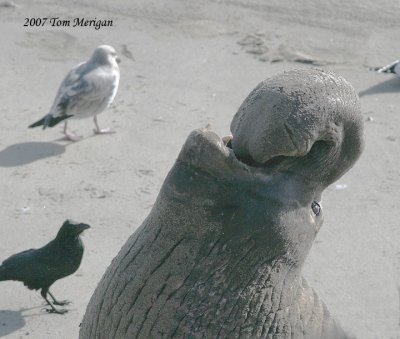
x=388 y=86
x=27 y=152
x=10 y=321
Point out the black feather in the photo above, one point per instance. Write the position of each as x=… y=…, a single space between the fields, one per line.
x=49 y=121
x=40 y=268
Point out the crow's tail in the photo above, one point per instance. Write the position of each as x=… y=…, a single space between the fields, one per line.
x=49 y=121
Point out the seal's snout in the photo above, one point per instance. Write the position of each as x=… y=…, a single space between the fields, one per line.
x=308 y=118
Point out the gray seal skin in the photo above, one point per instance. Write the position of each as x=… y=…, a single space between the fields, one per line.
x=220 y=255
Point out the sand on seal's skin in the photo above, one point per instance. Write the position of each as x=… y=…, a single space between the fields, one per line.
x=188 y=70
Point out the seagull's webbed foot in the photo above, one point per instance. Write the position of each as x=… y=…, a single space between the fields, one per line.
x=103 y=131
x=72 y=137
x=99 y=130
x=68 y=136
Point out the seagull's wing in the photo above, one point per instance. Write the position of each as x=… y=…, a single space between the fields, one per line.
x=86 y=86
x=396 y=68
x=388 y=68
x=72 y=86
x=59 y=109
x=82 y=87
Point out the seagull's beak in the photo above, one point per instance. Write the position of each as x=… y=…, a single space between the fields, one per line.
x=118 y=60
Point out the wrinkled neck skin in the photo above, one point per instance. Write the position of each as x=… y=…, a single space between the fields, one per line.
x=220 y=255
x=261 y=229
x=263 y=203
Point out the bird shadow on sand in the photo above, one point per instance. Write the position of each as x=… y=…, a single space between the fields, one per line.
x=10 y=321
x=26 y=152
x=388 y=86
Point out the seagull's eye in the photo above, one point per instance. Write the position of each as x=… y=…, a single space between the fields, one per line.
x=316 y=208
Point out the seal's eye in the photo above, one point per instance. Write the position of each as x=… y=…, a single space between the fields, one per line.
x=316 y=208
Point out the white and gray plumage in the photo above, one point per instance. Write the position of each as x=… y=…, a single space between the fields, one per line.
x=87 y=90
x=393 y=67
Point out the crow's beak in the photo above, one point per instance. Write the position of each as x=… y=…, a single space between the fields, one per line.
x=83 y=227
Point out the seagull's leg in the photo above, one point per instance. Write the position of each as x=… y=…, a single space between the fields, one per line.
x=43 y=293
x=56 y=302
x=99 y=130
x=68 y=136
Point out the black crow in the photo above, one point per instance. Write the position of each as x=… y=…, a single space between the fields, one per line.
x=40 y=268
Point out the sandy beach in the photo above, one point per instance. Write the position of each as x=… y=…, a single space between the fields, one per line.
x=186 y=64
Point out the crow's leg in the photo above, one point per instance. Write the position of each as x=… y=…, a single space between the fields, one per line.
x=99 y=130
x=56 y=302
x=43 y=293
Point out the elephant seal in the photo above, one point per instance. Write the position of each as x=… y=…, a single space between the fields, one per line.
x=221 y=253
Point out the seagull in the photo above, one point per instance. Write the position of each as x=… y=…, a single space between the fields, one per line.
x=87 y=90
x=393 y=67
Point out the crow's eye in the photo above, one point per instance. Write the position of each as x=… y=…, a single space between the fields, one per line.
x=316 y=208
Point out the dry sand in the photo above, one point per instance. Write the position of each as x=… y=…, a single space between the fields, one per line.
x=185 y=64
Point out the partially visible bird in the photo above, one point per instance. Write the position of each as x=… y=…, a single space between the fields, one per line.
x=126 y=52
x=393 y=67
x=40 y=268
x=87 y=90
